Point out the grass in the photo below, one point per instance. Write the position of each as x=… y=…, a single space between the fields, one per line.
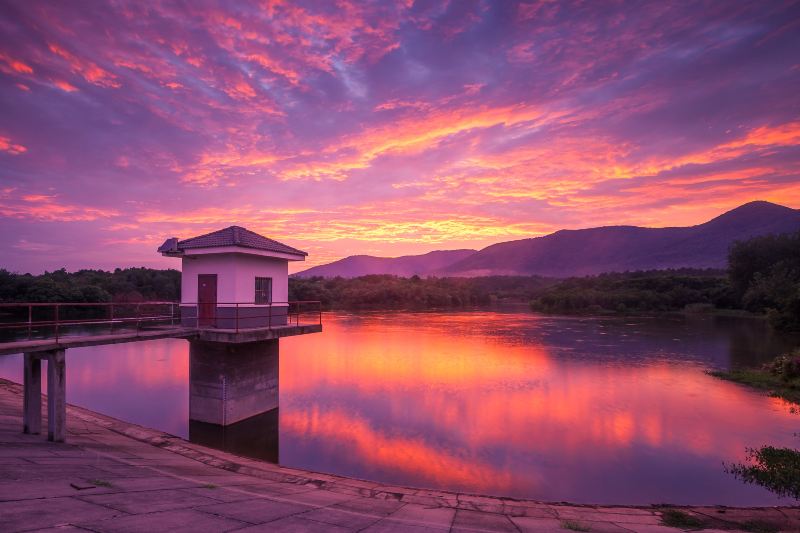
x=757 y=526
x=680 y=519
x=788 y=390
x=101 y=483
x=574 y=525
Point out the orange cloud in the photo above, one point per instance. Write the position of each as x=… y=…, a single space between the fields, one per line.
x=14 y=65
x=90 y=71
x=14 y=149
x=47 y=208
x=65 y=86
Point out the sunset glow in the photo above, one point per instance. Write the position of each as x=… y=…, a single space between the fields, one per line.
x=490 y=403
x=383 y=128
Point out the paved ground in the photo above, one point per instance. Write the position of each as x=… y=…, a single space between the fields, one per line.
x=114 y=476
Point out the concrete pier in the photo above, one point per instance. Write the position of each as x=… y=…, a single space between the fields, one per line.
x=32 y=401
x=56 y=394
x=229 y=382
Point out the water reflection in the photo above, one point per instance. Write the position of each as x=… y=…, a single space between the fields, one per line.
x=255 y=437
x=578 y=409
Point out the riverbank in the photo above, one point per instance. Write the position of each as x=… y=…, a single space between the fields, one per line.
x=764 y=381
x=116 y=476
x=779 y=378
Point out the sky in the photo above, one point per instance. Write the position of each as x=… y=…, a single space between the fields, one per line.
x=383 y=128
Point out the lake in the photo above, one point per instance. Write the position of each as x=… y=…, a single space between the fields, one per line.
x=587 y=410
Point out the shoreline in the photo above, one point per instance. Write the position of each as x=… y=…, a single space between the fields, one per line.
x=482 y=512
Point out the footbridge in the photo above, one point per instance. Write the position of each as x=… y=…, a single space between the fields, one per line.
x=246 y=331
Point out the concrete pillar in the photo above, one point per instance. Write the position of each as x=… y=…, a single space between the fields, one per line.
x=32 y=394
x=56 y=396
x=232 y=382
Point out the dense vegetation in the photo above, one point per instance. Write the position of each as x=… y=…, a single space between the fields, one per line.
x=385 y=291
x=764 y=273
x=638 y=292
x=93 y=286
x=763 y=277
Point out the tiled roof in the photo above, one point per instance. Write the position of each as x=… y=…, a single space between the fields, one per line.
x=232 y=236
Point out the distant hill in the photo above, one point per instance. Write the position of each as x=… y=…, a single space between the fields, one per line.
x=584 y=252
x=406 y=266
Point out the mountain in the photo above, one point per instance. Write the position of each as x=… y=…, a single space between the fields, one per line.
x=619 y=248
x=406 y=266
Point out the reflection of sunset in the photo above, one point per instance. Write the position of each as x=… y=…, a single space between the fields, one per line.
x=146 y=364
x=404 y=455
x=442 y=389
x=500 y=403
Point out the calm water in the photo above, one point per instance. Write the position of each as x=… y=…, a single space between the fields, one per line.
x=576 y=409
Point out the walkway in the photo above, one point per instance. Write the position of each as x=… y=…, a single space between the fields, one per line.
x=206 y=334
x=114 y=476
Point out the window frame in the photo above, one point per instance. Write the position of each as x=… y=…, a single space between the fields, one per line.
x=263 y=295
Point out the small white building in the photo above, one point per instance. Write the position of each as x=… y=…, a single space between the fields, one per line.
x=233 y=275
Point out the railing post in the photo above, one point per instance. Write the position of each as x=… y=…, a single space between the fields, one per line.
x=57 y=323
x=319 y=307
x=237 y=317
x=30 y=320
x=138 y=317
x=111 y=312
x=269 y=315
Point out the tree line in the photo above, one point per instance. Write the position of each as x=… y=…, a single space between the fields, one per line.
x=383 y=291
x=92 y=286
x=763 y=277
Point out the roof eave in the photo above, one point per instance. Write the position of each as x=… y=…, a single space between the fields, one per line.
x=210 y=250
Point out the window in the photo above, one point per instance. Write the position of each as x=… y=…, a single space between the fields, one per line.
x=263 y=290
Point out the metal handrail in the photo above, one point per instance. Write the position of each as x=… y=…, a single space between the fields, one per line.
x=144 y=313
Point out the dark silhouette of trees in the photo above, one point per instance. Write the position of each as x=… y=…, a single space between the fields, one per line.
x=765 y=274
x=91 y=286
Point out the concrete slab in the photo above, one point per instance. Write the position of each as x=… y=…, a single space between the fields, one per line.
x=29 y=490
x=539 y=525
x=257 y=511
x=388 y=525
x=294 y=524
x=27 y=515
x=466 y=520
x=149 y=501
x=219 y=494
x=181 y=521
x=428 y=516
x=370 y=506
x=320 y=497
x=348 y=520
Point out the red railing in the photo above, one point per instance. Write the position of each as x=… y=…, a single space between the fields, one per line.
x=238 y=316
x=53 y=319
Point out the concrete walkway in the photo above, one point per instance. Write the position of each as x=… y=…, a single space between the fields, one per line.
x=114 y=476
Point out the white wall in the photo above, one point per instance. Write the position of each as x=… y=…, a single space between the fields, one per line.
x=236 y=274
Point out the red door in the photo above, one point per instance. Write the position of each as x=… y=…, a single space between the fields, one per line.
x=206 y=299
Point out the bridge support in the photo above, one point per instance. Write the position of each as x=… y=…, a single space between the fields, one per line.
x=32 y=395
x=56 y=394
x=231 y=382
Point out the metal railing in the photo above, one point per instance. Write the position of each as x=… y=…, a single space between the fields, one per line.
x=239 y=316
x=23 y=321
